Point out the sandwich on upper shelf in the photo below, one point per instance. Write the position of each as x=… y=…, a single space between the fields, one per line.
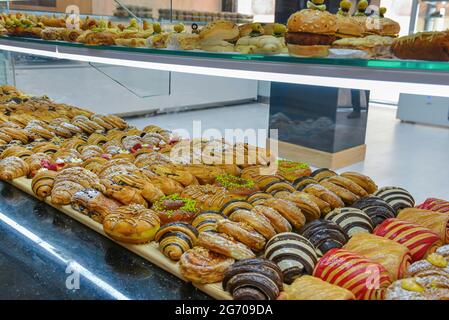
x=104 y=34
x=311 y=31
x=219 y=36
x=257 y=41
x=181 y=40
x=347 y=26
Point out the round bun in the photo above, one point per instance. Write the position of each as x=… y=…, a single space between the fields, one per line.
x=220 y=30
x=308 y=51
x=349 y=27
x=217 y=46
x=312 y=21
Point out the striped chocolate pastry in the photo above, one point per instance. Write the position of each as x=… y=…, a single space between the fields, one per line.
x=376 y=208
x=322 y=173
x=351 y=220
x=300 y=183
x=294 y=255
x=257 y=281
x=175 y=238
x=398 y=198
x=234 y=205
x=258 y=197
x=207 y=220
x=279 y=186
x=324 y=235
x=364 y=181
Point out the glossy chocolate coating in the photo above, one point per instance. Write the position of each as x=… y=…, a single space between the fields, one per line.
x=324 y=235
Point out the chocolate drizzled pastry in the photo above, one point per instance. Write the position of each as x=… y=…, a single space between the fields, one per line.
x=293 y=254
x=324 y=235
x=302 y=182
x=207 y=220
x=398 y=198
x=351 y=220
x=322 y=173
x=234 y=205
x=257 y=198
x=376 y=208
x=253 y=279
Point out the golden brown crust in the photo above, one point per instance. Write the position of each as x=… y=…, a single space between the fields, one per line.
x=12 y=168
x=312 y=21
x=219 y=30
x=316 y=51
x=348 y=26
x=243 y=233
x=423 y=46
x=223 y=244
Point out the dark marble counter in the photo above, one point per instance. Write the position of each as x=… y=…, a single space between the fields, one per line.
x=43 y=253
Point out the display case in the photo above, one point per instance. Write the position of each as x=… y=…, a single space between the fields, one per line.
x=300 y=109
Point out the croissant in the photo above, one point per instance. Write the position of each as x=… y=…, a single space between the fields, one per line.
x=63 y=191
x=81 y=176
x=148 y=190
x=93 y=204
x=94 y=164
x=45 y=147
x=124 y=194
x=16 y=151
x=176 y=173
x=208 y=197
x=87 y=125
x=91 y=151
x=12 y=168
x=74 y=143
x=42 y=183
x=166 y=185
x=35 y=162
x=175 y=238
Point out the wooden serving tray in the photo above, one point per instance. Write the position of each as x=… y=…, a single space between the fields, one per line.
x=149 y=252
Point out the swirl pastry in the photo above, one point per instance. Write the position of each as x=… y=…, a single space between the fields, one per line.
x=324 y=235
x=241 y=232
x=347 y=196
x=234 y=205
x=175 y=238
x=376 y=208
x=288 y=210
x=324 y=194
x=435 y=205
x=225 y=245
x=300 y=183
x=312 y=288
x=322 y=173
x=16 y=151
x=365 y=278
x=175 y=208
x=207 y=221
x=290 y=170
x=393 y=256
x=419 y=240
x=200 y=265
x=132 y=224
x=363 y=181
x=438 y=222
x=294 y=255
x=398 y=198
x=93 y=204
x=257 y=198
x=279 y=223
x=304 y=202
x=253 y=279
x=239 y=187
x=12 y=168
x=351 y=220
x=42 y=183
x=256 y=220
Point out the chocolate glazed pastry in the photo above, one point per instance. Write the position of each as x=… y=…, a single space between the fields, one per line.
x=376 y=208
x=324 y=235
x=253 y=279
x=351 y=220
x=258 y=198
x=398 y=198
x=294 y=255
x=234 y=205
x=322 y=173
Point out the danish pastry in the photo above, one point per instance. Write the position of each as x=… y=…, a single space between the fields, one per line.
x=225 y=245
x=302 y=200
x=290 y=170
x=288 y=210
x=131 y=224
x=435 y=205
x=362 y=180
x=235 y=185
x=322 y=173
x=175 y=208
x=279 y=223
x=324 y=194
x=201 y=265
x=347 y=196
x=256 y=220
x=348 y=184
x=207 y=220
x=93 y=204
x=234 y=205
x=241 y=232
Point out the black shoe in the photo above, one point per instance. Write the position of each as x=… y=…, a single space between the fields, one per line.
x=354 y=115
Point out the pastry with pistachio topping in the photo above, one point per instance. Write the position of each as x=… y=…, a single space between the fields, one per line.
x=237 y=186
x=311 y=31
x=292 y=170
x=175 y=208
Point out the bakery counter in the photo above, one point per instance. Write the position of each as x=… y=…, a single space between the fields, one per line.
x=407 y=76
x=44 y=253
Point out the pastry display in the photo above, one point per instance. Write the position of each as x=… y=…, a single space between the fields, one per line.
x=311 y=31
x=132 y=224
x=324 y=235
x=294 y=255
x=393 y=256
x=398 y=198
x=351 y=220
x=312 y=288
x=419 y=240
x=438 y=222
x=175 y=238
x=224 y=244
x=435 y=205
x=253 y=279
x=376 y=208
x=200 y=265
x=354 y=273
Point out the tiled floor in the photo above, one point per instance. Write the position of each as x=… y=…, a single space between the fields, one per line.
x=412 y=156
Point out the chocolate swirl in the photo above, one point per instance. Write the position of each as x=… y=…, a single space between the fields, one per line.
x=175 y=238
x=324 y=235
x=376 y=208
x=351 y=220
x=398 y=198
